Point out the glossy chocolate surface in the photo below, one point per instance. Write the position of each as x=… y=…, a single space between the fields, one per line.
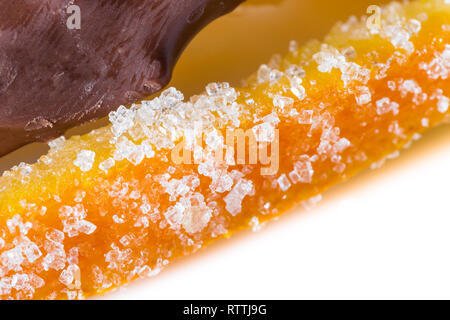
x=53 y=77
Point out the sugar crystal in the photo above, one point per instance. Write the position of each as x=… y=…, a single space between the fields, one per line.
x=234 y=199
x=284 y=182
x=385 y=105
x=85 y=160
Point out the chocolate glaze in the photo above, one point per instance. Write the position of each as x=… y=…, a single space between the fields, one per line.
x=53 y=78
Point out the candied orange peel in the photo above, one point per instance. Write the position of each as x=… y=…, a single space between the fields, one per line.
x=111 y=206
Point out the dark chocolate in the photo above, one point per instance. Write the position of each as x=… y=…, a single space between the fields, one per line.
x=53 y=77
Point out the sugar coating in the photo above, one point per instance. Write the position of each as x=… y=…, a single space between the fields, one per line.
x=443 y=104
x=385 y=105
x=363 y=95
x=85 y=160
x=235 y=197
x=329 y=58
x=438 y=68
x=284 y=182
x=74 y=222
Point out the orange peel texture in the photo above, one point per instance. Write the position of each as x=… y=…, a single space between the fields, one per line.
x=105 y=208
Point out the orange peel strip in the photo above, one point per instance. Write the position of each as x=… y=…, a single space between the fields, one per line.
x=105 y=208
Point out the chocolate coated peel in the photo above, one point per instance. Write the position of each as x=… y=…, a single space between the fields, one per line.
x=53 y=77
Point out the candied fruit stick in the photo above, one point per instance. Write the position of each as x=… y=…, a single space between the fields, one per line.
x=116 y=204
